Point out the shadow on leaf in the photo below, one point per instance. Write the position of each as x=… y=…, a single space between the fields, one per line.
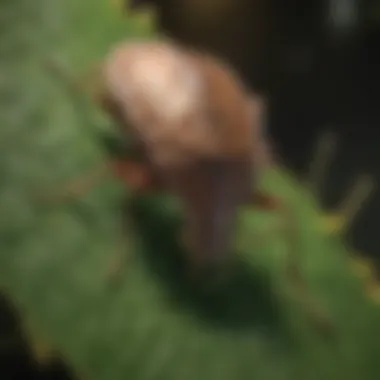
x=245 y=301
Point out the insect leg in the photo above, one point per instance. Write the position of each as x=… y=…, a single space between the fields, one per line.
x=300 y=288
x=137 y=175
x=266 y=201
x=77 y=187
x=299 y=285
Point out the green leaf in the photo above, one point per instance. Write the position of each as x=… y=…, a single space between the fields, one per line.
x=151 y=324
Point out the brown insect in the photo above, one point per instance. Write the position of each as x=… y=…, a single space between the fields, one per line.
x=200 y=133
x=199 y=130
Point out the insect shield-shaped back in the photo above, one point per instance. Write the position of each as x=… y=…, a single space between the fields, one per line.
x=159 y=96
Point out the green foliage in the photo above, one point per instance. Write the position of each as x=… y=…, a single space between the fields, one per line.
x=151 y=324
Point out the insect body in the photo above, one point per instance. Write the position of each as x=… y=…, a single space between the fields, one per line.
x=200 y=132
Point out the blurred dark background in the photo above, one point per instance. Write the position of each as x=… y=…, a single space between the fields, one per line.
x=318 y=62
